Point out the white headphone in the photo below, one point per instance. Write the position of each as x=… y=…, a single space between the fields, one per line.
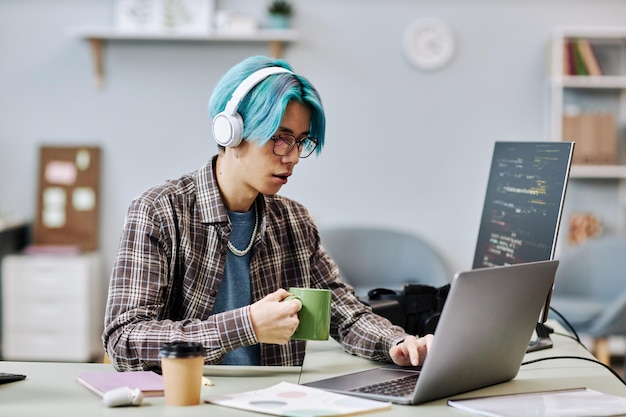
x=228 y=125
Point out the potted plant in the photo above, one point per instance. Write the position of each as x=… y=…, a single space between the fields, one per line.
x=280 y=13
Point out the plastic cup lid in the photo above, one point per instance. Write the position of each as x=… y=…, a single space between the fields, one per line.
x=181 y=350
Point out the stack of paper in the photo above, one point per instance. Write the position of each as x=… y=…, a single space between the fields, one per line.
x=578 y=402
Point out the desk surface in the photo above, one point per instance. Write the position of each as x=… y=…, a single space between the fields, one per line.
x=51 y=388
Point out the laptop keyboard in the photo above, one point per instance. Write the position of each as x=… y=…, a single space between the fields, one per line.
x=397 y=388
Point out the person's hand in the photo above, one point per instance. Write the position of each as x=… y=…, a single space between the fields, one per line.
x=274 y=321
x=412 y=351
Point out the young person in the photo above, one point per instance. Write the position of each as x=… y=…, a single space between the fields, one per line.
x=207 y=257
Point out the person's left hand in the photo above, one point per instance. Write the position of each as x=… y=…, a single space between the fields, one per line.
x=412 y=351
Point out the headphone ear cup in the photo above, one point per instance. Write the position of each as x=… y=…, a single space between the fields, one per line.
x=228 y=129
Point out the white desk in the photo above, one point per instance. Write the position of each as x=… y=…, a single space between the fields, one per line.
x=51 y=388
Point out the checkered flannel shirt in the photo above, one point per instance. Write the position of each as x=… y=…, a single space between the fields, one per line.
x=171 y=261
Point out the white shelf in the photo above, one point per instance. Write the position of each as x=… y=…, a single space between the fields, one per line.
x=275 y=38
x=261 y=35
x=586 y=81
x=598 y=171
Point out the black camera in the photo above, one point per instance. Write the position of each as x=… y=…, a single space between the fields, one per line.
x=416 y=308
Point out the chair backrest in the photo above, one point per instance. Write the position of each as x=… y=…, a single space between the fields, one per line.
x=370 y=257
x=595 y=269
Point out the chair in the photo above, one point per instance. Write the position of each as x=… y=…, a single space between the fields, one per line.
x=590 y=291
x=370 y=257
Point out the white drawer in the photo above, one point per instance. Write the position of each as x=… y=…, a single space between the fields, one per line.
x=50 y=314
x=20 y=279
x=39 y=264
x=57 y=346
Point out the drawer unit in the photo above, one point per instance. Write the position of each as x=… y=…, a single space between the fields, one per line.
x=13 y=238
x=52 y=307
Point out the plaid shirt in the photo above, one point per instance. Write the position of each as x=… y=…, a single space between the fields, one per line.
x=171 y=261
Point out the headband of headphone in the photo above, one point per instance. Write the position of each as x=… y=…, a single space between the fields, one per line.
x=228 y=124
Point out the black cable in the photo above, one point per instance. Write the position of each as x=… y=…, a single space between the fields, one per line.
x=577 y=357
x=567 y=323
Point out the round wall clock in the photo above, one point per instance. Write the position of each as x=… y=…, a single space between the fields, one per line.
x=429 y=43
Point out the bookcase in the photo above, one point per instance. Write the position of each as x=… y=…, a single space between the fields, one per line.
x=588 y=106
x=577 y=94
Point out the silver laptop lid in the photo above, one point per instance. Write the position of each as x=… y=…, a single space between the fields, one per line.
x=484 y=329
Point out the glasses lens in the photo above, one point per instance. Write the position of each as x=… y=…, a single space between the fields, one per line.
x=307 y=146
x=283 y=144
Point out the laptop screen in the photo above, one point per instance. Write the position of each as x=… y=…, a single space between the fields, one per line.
x=523 y=203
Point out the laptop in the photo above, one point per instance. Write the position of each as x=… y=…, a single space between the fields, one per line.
x=503 y=301
x=522 y=211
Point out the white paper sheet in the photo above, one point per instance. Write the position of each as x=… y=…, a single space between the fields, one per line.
x=286 y=399
x=579 y=402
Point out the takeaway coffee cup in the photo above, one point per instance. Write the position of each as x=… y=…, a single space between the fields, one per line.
x=314 y=315
x=182 y=364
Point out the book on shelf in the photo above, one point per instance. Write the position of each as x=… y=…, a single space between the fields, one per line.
x=595 y=135
x=150 y=383
x=607 y=135
x=569 y=66
x=589 y=57
x=579 y=61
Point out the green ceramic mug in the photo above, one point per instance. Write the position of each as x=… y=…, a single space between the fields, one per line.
x=314 y=315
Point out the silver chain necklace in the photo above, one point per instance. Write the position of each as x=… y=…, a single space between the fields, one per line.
x=238 y=252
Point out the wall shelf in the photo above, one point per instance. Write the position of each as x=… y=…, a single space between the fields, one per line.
x=97 y=37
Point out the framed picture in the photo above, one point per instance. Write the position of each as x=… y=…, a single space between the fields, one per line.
x=163 y=16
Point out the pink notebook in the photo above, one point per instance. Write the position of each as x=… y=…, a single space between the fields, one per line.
x=150 y=383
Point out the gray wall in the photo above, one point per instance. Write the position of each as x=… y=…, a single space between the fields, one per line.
x=405 y=149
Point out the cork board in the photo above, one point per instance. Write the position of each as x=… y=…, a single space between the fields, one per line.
x=68 y=197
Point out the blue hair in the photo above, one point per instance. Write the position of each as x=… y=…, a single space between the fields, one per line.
x=263 y=108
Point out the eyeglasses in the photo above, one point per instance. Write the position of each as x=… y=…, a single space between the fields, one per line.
x=284 y=143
